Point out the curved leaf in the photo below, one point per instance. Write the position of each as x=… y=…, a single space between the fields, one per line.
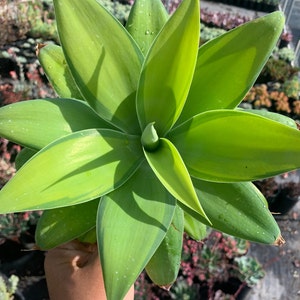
x=273 y=116
x=23 y=156
x=163 y=267
x=36 y=123
x=168 y=69
x=238 y=209
x=132 y=222
x=145 y=20
x=61 y=225
x=194 y=228
x=80 y=167
x=93 y=42
x=169 y=168
x=89 y=237
x=228 y=66
x=53 y=61
x=232 y=145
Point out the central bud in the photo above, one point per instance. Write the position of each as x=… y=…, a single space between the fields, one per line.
x=150 y=139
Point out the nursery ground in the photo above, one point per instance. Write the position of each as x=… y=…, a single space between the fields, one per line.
x=282 y=265
x=291 y=9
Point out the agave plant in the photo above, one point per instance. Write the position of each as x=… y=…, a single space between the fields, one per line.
x=146 y=140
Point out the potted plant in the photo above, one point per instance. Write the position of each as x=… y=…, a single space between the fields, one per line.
x=8 y=287
x=147 y=140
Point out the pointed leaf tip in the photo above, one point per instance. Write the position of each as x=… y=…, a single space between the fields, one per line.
x=218 y=146
x=280 y=241
x=150 y=139
x=166 y=287
x=134 y=217
x=145 y=20
x=227 y=53
x=165 y=79
x=170 y=169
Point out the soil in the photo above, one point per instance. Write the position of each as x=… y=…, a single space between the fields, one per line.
x=281 y=264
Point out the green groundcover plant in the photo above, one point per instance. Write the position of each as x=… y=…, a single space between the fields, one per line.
x=146 y=140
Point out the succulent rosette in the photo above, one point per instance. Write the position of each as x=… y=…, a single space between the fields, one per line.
x=146 y=139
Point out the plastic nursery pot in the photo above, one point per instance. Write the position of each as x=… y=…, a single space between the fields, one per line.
x=289 y=193
x=270 y=188
x=284 y=202
x=234 y=287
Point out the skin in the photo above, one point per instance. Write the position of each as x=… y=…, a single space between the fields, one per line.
x=73 y=272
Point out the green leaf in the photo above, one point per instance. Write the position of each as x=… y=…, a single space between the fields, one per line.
x=238 y=209
x=149 y=139
x=93 y=42
x=169 y=168
x=168 y=69
x=89 y=237
x=74 y=166
x=164 y=265
x=194 y=228
x=36 y=123
x=23 y=156
x=232 y=145
x=132 y=222
x=58 y=73
x=61 y=225
x=145 y=20
x=273 y=116
x=228 y=66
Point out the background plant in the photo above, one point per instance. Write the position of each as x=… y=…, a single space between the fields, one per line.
x=13 y=25
x=16 y=226
x=281 y=98
x=222 y=20
x=208 y=33
x=8 y=287
x=8 y=153
x=120 y=9
x=31 y=18
x=285 y=53
x=227 y=21
x=22 y=77
x=291 y=88
x=277 y=70
x=206 y=268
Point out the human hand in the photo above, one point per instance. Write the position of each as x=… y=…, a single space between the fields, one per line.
x=73 y=272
